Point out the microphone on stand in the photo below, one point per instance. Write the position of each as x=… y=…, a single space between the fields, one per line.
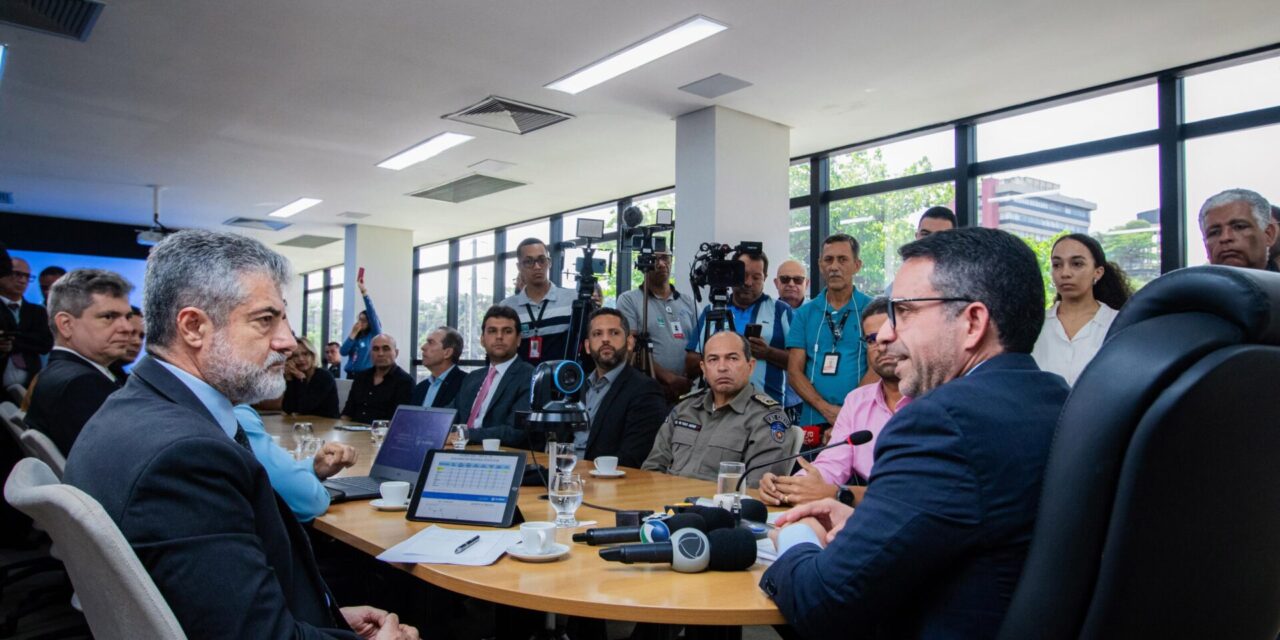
x=854 y=439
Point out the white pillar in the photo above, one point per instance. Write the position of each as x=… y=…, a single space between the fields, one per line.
x=293 y=297
x=387 y=257
x=731 y=185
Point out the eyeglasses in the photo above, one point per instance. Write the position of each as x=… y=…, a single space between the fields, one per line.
x=21 y=275
x=791 y=279
x=894 y=302
x=870 y=338
x=540 y=261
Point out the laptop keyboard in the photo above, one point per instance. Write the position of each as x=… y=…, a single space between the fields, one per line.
x=363 y=483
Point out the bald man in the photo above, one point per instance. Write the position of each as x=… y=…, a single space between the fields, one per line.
x=791 y=281
x=377 y=391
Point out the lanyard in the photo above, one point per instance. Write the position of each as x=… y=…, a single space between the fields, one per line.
x=837 y=330
x=536 y=324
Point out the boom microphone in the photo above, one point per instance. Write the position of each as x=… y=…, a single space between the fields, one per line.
x=655 y=530
x=854 y=439
x=692 y=551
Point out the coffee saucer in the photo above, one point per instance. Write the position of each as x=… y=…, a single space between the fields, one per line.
x=616 y=473
x=382 y=505
x=556 y=552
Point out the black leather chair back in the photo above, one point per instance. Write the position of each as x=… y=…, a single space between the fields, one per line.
x=1160 y=512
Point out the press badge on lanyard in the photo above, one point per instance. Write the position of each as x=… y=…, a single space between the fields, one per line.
x=831 y=361
x=535 y=341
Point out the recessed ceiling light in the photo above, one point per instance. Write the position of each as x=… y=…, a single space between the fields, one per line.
x=639 y=54
x=295 y=207
x=432 y=146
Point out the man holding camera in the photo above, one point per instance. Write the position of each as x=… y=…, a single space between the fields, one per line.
x=545 y=310
x=761 y=319
x=672 y=319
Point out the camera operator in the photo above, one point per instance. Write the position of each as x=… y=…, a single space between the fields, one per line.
x=545 y=309
x=672 y=319
x=749 y=306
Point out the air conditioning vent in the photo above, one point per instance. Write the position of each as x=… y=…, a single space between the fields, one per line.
x=255 y=223
x=354 y=215
x=308 y=242
x=468 y=188
x=65 y=18
x=508 y=115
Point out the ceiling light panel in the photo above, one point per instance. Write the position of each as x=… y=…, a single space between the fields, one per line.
x=639 y=54
x=295 y=207
x=428 y=148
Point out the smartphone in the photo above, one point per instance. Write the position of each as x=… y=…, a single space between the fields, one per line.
x=753 y=331
x=360 y=275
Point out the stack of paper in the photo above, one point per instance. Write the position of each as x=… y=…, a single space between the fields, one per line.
x=436 y=545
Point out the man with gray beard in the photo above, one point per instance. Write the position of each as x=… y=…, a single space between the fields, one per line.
x=169 y=463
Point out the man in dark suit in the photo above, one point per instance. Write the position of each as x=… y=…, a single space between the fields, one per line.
x=169 y=463
x=440 y=355
x=937 y=544
x=625 y=406
x=92 y=316
x=490 y=397
x=378 y=390
x=24 y=328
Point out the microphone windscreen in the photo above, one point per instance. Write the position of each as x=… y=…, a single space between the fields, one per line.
x=754 y=510
x=715 y=517
x=731 y=549
x=686 y=521
x=632 y=217
x=860 y=437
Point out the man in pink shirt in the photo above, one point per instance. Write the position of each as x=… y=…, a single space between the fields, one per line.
x=867 y=407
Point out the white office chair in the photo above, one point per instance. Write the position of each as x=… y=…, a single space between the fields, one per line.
x=36 y=444
x=118 y=597
x=344 y=390
x=17 y=392
x=12 y=417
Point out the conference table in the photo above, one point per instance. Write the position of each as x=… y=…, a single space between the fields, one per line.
x=580 y=584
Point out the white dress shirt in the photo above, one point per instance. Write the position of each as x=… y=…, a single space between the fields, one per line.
x=1067 y=357
x=493 y=389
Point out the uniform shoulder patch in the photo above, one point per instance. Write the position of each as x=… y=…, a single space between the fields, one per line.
x=765 y=400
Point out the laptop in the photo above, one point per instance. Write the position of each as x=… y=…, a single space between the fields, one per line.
x=413 y=432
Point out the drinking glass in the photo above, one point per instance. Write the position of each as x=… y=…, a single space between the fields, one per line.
x=459 y=432
x=310 y=447
x=301 y=432
x=566 y=497
x=564 y=457
x=378 y=432
x=729 y=476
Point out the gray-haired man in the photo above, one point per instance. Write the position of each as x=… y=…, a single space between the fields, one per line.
x=1238 y=229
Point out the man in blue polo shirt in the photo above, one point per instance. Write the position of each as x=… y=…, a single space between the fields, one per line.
x=827 y=354
x=750 y=305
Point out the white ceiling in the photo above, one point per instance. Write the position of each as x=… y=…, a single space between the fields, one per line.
x=240 y=106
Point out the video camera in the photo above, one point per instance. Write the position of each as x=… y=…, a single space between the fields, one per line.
x=712 y=267
x=643 y=240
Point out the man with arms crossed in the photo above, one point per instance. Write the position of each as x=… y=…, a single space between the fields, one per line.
x=937 y=544
x=169 y=463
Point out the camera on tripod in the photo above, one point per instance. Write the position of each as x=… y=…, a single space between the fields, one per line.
x=712 y=267
x=643 y=241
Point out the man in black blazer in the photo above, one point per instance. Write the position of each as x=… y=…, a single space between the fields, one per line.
x=625 y=406
x=169 y=463
x=490 y=397
x=24 y=328
x=92 y=316
x=377 y=391
x=440 y=355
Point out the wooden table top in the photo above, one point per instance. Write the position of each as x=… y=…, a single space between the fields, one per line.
x=580 y=584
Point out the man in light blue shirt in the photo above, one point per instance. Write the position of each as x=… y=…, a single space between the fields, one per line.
x=297 y=481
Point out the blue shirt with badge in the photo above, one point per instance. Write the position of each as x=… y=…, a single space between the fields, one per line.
x=774 y=316
x=833 y=367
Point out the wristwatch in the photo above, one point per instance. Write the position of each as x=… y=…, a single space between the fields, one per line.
x=845 y=494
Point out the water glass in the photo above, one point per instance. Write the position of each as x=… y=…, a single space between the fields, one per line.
x=728 y=478
x=301 y=432
x=311 y=445
x=566 y=497
x=564 y=457
x=459 y=432
x=378 y=432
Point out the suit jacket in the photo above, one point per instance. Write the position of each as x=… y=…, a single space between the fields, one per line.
x=67 y=394
x=315 y=397
x=936 y=546
x=32 y=336
x=198 y=509
x=368 y=402
x=628 y=419
x=448 y=390
x=510 y=395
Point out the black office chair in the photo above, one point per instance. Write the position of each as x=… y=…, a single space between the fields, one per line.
x=1160 y=511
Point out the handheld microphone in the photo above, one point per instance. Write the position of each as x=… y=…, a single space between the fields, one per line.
x=692 y=551
x=749 y=508
x=854 y=439
x=655 y=530
x=715 y=517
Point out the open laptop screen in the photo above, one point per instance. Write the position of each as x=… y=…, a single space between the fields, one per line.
x=413 y=432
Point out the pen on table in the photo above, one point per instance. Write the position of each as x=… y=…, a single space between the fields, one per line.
x=467 y=545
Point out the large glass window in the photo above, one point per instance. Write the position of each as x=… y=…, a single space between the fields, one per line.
x=476 y=246
x=882 y=223
x=1113 y=197
x=798 y=178
x=1243 y=159
x=909 y=157
x=1254 y=85
x=335 y=315
x=314 y=313
x=798 y=234
x=1128 y=111
x=540 y=229
x=433 y=303
x=475 y=296
x=433 y=255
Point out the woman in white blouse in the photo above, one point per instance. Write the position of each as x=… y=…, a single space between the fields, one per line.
x=1090 y=292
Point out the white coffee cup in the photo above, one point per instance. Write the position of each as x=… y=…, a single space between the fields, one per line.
x=538 y=536
x=607 y=464
x=491 y=444
x=395 y=492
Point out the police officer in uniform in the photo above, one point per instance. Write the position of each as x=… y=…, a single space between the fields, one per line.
x=731 y=420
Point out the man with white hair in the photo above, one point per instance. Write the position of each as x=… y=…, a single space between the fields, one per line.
x=168 y=461
x=1237 y=228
